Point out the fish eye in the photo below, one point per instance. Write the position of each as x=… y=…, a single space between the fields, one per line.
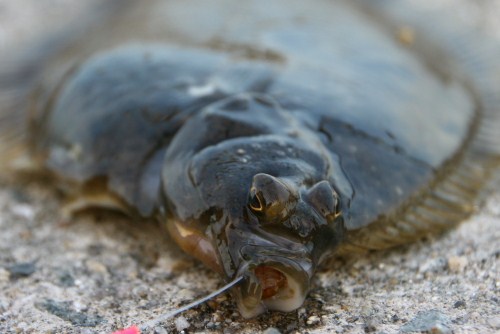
x=324 y=199
x=338 y=210
x=270 y=197
x=256 y=202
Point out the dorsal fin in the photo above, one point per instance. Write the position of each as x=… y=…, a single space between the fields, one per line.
x=460 y=182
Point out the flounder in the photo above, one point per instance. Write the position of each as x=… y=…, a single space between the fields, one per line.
x=266 y=135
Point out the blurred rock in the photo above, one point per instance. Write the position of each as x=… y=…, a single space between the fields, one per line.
x=432 y=321
x=21 y=270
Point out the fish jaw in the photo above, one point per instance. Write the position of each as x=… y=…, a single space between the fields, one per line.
x=277 y=284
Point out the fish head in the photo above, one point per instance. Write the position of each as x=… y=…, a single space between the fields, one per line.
x=252 y=204
x=275 y=237
x=284 y=235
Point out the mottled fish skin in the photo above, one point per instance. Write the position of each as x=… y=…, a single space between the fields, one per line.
x=264 y=136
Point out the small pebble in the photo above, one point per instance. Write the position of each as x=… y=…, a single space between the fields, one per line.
x=476 y=316
x=457 y=263
x=21 y=327
x=65 y=311
x=185 y=294
x=366 y=310
x=352 y=319
x=432 y=266
x=24 y=211
x=301 y=312
x=96 y=266
x=181 y=323
x=494 y=322
x=66 y=280
x=160 y=330
x=370 y=328
x=291 y=327
x=332 y=308
x=313 y=320
x=21 y=270
x=217 y=317
x=4 y=275
x=433 y=321
x=4 y=305
x=459 y=304
x=140 y=291
x=271 y=330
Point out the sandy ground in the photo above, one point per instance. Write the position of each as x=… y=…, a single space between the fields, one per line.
x=99 y=273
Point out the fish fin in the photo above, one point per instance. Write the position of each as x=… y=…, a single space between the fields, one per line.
x=90 y=195
x=462 y=183
x=21 y=68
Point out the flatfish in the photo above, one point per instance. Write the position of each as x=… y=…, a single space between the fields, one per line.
x=267 y=135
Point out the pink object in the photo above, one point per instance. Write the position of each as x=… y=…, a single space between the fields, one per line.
x=130 y=330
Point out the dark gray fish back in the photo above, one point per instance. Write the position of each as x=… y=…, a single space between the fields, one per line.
x=460 y=181
x=407 y=123
x=117 y=113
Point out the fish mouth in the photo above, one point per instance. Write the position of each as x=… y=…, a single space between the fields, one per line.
x=278 y=286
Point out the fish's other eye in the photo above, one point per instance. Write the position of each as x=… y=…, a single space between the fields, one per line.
x=256 y=203
x=324 y=199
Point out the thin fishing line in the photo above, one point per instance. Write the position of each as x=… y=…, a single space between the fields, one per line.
x=197 y=302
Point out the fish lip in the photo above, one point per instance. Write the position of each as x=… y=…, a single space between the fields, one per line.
x=289 y=298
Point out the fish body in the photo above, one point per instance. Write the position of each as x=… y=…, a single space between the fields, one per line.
x=268 y=135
